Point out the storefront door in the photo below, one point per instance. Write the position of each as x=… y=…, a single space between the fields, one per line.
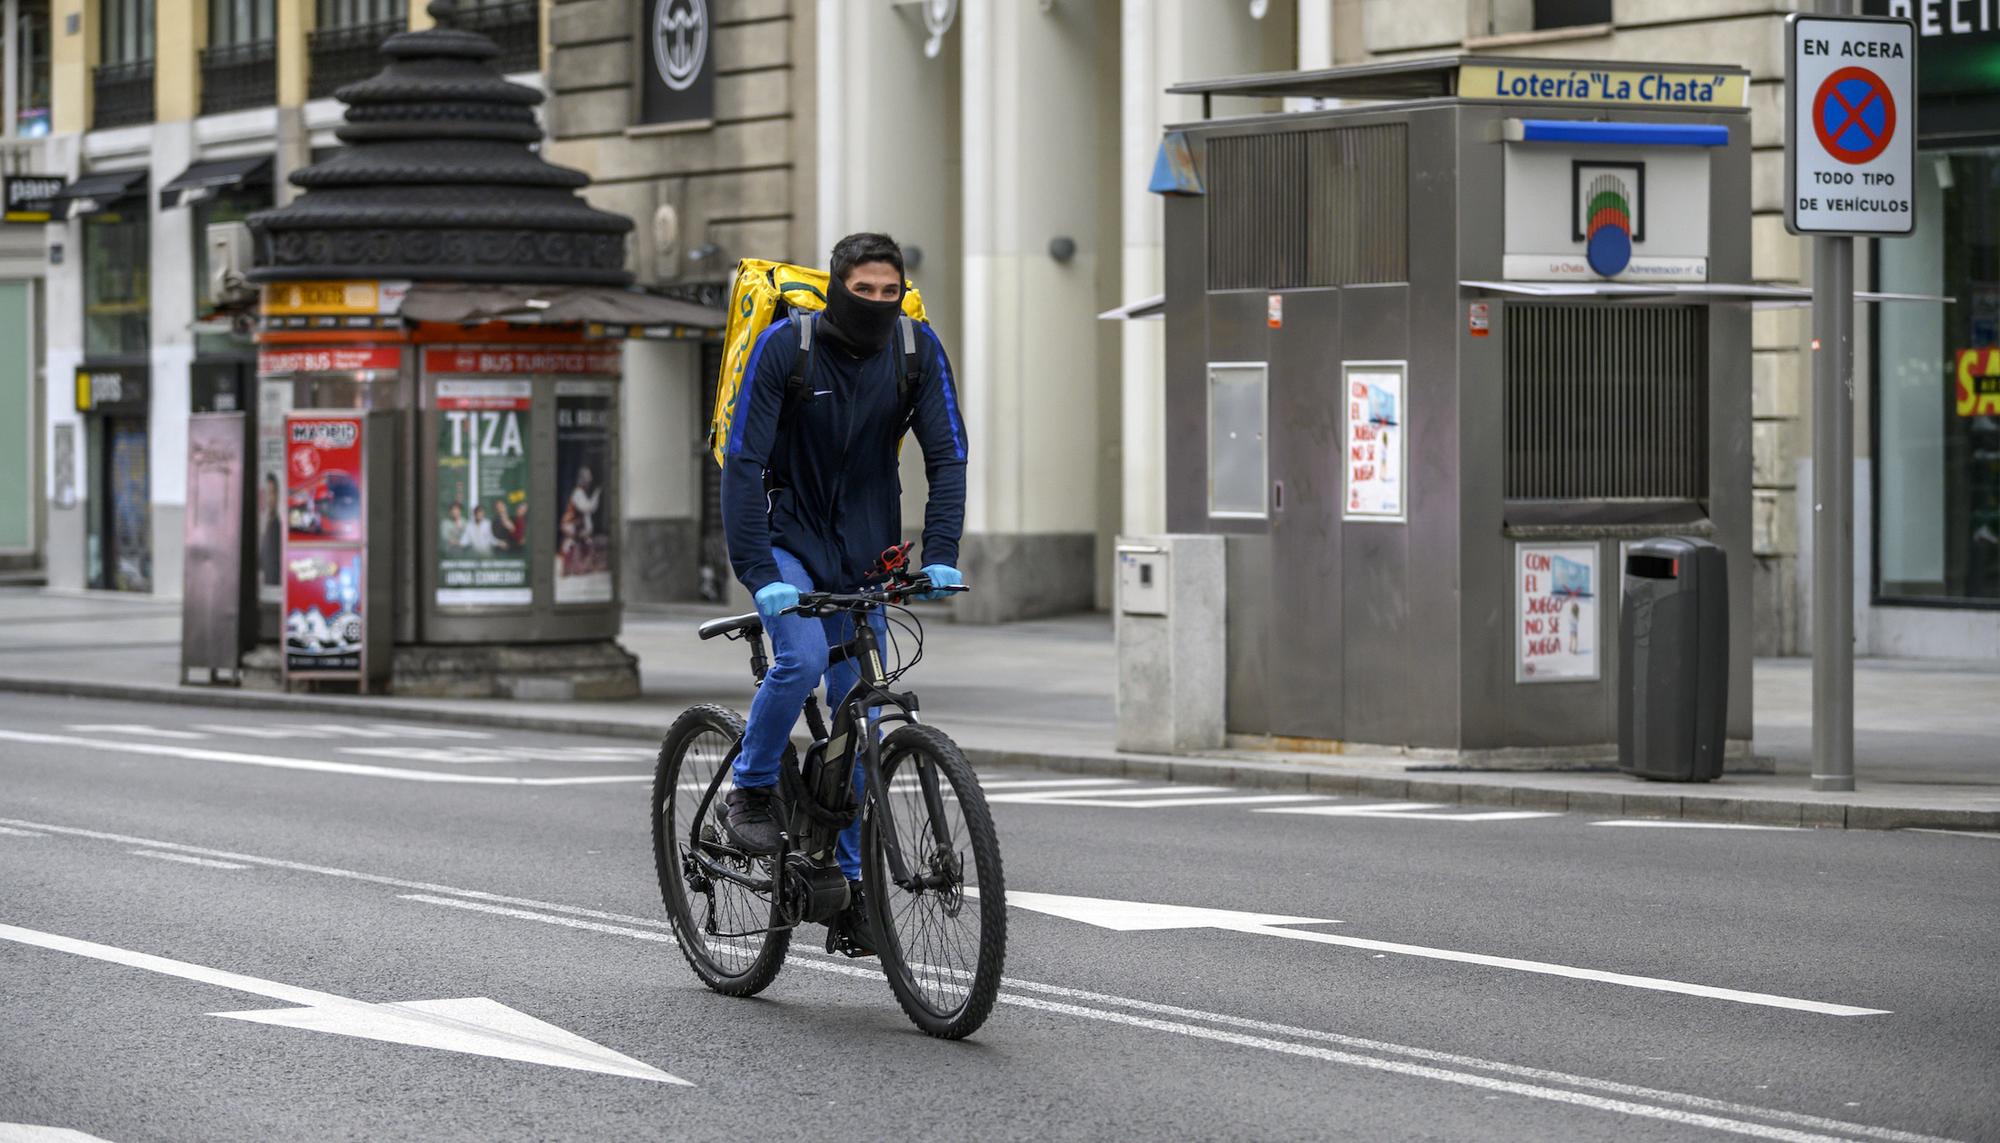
x=121 y=517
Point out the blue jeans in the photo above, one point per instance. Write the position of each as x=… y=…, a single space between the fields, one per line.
x=799 y=648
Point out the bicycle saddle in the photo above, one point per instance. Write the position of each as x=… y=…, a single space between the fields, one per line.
x=751 y=624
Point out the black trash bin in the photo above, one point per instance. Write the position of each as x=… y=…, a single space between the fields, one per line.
x=1673 y=655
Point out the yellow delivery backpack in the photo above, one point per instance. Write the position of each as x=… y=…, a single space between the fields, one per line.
x=765 y=292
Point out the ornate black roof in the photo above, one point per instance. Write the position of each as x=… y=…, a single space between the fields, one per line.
x=437 y=182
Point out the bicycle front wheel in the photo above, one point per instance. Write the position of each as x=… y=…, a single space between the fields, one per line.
x=726 y=929
x=943 y=936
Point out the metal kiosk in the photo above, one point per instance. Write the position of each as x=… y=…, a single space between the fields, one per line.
x=1435 y=355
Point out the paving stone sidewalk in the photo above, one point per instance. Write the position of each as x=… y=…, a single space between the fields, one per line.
x=1927 y=733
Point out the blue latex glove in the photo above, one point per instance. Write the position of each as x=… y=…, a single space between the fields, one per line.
x=942 y=575
x=773 y=598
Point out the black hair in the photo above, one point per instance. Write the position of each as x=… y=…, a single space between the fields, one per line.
x=866 y=246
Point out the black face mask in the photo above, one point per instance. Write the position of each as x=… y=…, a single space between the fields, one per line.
x=856 y=324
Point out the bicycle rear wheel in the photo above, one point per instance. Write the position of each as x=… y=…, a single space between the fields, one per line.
x=942 y=942
x=723 y=927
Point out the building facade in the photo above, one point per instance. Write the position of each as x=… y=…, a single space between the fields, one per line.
x=160 y=120
x=1009 y=146
x=24 y=124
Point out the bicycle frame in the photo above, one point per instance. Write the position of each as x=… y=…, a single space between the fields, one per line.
x=856 y=732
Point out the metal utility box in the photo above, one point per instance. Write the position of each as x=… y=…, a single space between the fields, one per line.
x=1673 y=651
x=1433 y=356
x=1171 y=595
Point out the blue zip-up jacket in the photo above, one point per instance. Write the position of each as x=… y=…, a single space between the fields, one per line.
x=836 y=498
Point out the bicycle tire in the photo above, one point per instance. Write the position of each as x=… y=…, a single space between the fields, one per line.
x=699 y=742
x=907 y=939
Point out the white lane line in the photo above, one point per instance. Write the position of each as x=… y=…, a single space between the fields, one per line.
x=622 y=923
x=1671 y=823
x=1167 y=803
x=19 y=833
x=185 y=859
x=1693 y=1118
x=1414 y=811
x=1951 y=832
x=1655 y=984
x=279 y=762
x=37 y=1133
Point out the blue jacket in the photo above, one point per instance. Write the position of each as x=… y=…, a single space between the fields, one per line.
x=835 y=498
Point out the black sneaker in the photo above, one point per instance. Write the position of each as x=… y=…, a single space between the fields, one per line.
x=852 y=933
x=751 y=823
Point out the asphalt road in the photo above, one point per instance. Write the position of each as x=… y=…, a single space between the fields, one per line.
x=1454 y=972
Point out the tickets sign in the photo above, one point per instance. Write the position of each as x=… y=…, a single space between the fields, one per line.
x=525 y=361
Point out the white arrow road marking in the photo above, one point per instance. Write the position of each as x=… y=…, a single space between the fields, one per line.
x=279 y=762
x=1128 y=916
x=1414 y=811
x=162 y=855
x=1685 y=1109
x=475 y=1025
x=1668 y=823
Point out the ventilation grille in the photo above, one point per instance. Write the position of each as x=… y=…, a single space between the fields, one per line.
x=1308 y=208
x=1606 y=403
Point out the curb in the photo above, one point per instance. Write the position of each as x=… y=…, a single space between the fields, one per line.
x=1434 y=787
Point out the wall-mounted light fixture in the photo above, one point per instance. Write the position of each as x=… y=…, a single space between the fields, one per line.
x=1062 y=248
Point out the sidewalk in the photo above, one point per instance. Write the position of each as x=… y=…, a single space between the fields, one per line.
x=1927 y=735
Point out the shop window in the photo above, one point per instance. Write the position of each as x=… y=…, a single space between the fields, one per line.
x=117 y=296
x=1512 y=17
x=346 y=41
x=31 y=92
x=122 y=84
x=1937 y=391
x=239 y=67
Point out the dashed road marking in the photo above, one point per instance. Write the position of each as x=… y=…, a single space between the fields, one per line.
x=1673 y=823
x=1414 y=811
x=12 y=832
x=185 y=859
x=1952 y=832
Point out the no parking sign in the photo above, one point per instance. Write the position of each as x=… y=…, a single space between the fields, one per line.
x=1850 y=126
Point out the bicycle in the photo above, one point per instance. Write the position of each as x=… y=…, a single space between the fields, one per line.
x=923 y=816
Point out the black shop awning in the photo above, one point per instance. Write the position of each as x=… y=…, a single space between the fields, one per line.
x=97 y=192
x=208 y=179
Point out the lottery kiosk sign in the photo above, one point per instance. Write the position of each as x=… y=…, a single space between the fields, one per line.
x=1850 y=139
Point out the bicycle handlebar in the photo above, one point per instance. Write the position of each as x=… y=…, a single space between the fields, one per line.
x=893 y=593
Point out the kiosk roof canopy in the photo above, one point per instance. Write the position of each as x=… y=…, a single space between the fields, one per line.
x=1432 y=77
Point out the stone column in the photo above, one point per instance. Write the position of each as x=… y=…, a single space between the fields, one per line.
x=294 y=151
x=1029 y=362
x=1165 y=42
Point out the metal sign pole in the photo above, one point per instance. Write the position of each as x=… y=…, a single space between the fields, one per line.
x=1833 y=514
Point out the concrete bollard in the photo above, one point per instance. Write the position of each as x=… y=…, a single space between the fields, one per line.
x=1172 y=671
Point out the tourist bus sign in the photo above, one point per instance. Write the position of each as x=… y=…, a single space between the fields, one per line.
x=1850 y=126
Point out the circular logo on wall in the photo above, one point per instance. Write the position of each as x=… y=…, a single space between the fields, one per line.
x=680 y=41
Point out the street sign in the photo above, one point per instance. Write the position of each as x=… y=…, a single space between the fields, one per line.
x=1850 y=140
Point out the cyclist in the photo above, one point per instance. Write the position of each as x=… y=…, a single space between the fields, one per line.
x=810 y=496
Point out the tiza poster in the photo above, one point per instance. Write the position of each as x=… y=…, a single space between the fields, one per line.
x=1556 y=593
x=1376 y=441
x=584 y=547
x=482 y=489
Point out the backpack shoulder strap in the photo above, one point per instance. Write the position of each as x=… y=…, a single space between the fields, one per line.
x=913 y=361
x=799 y=388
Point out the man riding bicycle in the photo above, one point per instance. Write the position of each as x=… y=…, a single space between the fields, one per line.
x=811 y=494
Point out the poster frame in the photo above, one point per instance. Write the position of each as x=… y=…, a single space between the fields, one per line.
x=531 y=440
x=613 y=495
x=373 y=549
x=1402 y=514
x=1595 y=551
